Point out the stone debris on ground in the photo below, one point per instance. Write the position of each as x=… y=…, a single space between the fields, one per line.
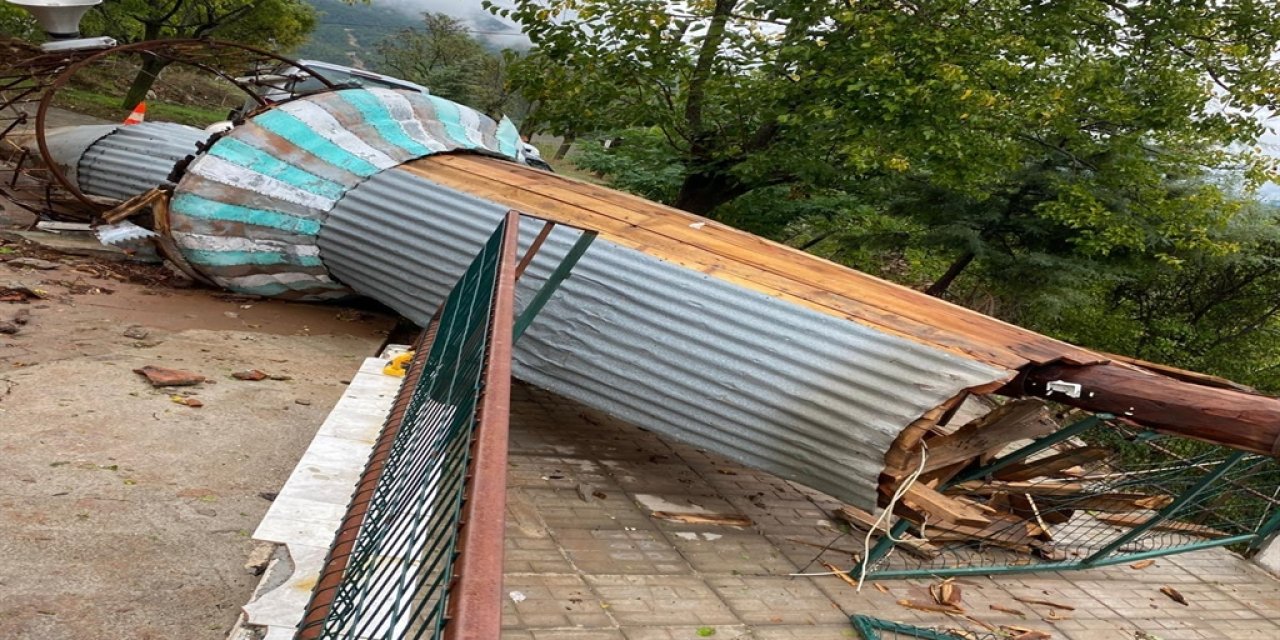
x=14 y=323
x=34 y=263
x=194 y=403
x=136 y=332
x=166 y=377
x=19 y=292
x=257 y=561
x=122 y=513
x=250 y=375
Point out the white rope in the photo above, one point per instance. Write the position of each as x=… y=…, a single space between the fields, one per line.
x=880 y=522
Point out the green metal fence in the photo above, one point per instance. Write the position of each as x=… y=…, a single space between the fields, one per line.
x=419 y=552
x=1140 y=495
x=394 y=569
x=869 y=628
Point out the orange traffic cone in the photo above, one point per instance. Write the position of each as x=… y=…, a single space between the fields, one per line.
x=139 y=114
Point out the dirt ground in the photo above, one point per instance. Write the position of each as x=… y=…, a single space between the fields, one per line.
x=123 y=513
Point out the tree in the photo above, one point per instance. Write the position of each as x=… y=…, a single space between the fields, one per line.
x=564 y=100
x=439 y=54
x=1081 y=129
x=442 y=55
x=274 y=24
x=17 y=23
x=1213 y=312
x=621 y=63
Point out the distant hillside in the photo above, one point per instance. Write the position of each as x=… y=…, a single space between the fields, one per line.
x=348 y=34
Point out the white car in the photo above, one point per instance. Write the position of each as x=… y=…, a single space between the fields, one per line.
x=289 y=81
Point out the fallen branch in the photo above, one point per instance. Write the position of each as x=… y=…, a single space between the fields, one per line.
x=1047 y=603
x=929 y=606
x=842 y=574
x=704 y=518
x=1010 y=610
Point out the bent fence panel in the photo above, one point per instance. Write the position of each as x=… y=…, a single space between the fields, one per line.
x=419 y=553
x=1150 y=495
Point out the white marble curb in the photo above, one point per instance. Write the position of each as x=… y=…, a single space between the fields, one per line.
x=304 y=517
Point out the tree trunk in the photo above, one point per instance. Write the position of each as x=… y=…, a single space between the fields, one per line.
x=941 y=285
x=703 y=191
x=696 y=90
x=528 y=125
x=1192 y=409
x=565 y=145
x=151 y=68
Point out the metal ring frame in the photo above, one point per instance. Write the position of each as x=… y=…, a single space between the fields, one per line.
x=176 y=51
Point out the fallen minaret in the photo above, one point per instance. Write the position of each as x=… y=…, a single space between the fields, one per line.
x=756 y=351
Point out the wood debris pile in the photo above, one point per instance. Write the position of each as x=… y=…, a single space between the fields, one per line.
x=1019 y=507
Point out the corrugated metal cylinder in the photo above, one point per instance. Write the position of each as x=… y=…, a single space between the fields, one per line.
x=132 y=159
x=774 y=386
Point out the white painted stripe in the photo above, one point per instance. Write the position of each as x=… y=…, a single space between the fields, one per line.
x=219 y=170
x=402 y=111
x=266 y=279
x=470 y=119
x=328 y=127
x=202 y=242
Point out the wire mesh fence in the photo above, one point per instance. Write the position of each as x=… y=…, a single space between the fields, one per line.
x=391 y=571
x=1107 y=494
x=870 y=628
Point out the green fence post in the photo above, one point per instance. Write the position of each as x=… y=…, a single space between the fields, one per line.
x=549 y=287
x=864 y=627
x=1168 y=511
x=869 y=628
x=882 y=546
x=1265 y=531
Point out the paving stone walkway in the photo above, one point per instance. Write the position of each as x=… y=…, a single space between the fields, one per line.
x=585 y=559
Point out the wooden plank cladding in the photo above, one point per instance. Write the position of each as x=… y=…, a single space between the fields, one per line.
x=749 y=261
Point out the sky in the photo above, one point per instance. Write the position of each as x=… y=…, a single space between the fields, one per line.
x=468 y=11
x=451 y=7
x=465 y=10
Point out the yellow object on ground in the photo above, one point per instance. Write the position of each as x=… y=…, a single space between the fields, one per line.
x=398 y=365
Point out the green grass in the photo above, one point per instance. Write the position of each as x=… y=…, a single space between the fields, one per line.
x=107 y=107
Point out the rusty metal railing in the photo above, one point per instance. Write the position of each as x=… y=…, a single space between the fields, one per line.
x=419 y=552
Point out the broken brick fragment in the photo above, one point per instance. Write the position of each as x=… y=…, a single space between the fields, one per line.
x=165 y=377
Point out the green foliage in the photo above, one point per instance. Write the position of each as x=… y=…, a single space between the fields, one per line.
x=1058 y=164
x=272 y=24
x=108 y=107
x=441 y=54
x=638 y=161
x=17 y=23
x=1099 y=100
x=1213 y=312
